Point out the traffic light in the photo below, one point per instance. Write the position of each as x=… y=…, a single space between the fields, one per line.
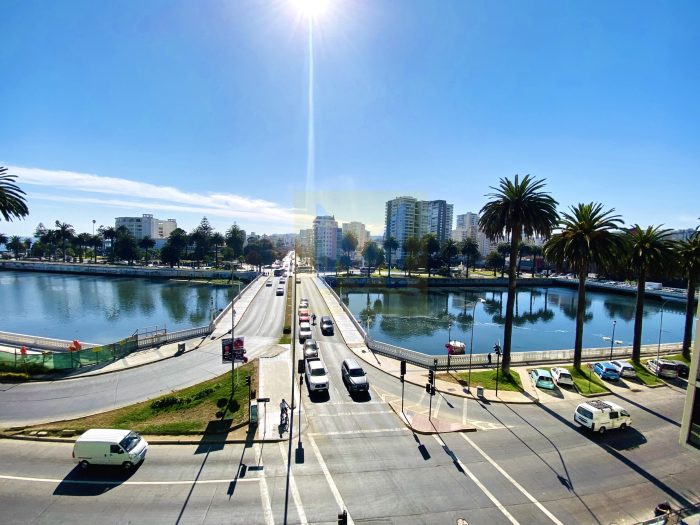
x=427 y=388
x=247 y=380
x=403 y=368
x=431 y=377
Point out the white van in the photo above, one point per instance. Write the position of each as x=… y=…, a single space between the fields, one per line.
x=602 y=415
x=108 y=446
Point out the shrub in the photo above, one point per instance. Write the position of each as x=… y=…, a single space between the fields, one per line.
x=222 y=402
x=165 y=402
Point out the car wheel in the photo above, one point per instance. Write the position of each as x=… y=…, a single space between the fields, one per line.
x=601 y=430
x=128 y=465
x=623 y=426
x=84 y=464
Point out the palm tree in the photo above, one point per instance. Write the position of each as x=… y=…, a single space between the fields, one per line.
x=448 y=252
x=11 y=197
x=588 y=236
x=523 y=249
x=16 y=244
x=390 y=244
x=517 y=208
x=64 y=233
x=495 y=260
x=3 y=239
x=411 y=247
x=430 y=246
x=217 y=240
x=370 y=252
x=470 y=249
x=348 y=244
x=109 y=233
x=688 y=255
x=535 y=250
x=95 y=242
x=649 y=250
x=146 y=244
x=81 y=241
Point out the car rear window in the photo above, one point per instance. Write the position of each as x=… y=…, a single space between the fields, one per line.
x=585 y=413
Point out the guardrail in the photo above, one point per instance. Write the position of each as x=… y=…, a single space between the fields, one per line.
x=464 y=361
x=41 y=343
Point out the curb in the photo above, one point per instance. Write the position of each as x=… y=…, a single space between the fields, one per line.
x=151 y=441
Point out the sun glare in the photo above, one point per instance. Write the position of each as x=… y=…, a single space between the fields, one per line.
x=311 y=8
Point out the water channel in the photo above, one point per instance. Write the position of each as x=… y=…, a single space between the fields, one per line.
x=98 y=309
x=422 y=320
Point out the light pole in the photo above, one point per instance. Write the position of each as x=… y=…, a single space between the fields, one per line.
x=612 y=340
x=497 y=350
x=233 y=320
x=471 y=343
x=658 y=348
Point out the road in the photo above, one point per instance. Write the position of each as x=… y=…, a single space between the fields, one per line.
x=527 y=464
x=38 y=402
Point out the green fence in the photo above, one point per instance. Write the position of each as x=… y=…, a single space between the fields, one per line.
x=48 y=361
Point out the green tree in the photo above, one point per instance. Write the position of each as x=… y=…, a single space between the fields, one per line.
x=370 y=253
x=587 y=237
x=649 y=251
x=65 y=234
x=430 y=247
x=81 y=241
x=348 y=244
x=235 y=239
x=169 y=254
x=12 y=204
x=411 y=249
x=688 y=257
x=109 y=233
x=536 y=251
x=178 y=240
x=95 y=242
x=449 y=251
x=125 y=245
x=3 y=239
x=517 y=208
x=390 y=244
x=503 y=250
x=217 y=240
x=495 y=261
x=16 y=244
x=523 y=251
x=146 y=244
x=470 y=249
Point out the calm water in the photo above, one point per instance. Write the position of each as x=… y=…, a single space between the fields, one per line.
x=99 y=309
x=545 y=318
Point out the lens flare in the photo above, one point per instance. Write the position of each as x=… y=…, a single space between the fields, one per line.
x=311 y=8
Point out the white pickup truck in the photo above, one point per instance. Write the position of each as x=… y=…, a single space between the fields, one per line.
x=316 y=375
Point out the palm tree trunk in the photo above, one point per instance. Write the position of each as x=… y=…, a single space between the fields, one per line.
x=389 y=262
x=467 y=267
x=510 y=303
x=534 y=260
x=689 y=311
x=638 y=317
x=580 y=316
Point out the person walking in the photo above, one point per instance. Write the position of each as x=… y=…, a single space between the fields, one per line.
x=313 y=319
x=489 y=357
x=283 y=413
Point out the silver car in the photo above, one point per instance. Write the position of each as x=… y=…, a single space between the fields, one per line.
x=354 y=376
x=624 y=369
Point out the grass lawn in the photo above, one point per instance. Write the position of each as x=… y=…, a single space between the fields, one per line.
x=678 y=357
x=190 y=410
x=487 y=379
x=585 y=377
x=644 y=375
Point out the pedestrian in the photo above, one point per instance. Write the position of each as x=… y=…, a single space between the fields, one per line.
x=283 y=412
x=313 y=319
x=489 y=357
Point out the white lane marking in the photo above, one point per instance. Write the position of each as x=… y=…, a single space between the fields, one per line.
x=509 y=478
x=264 y=493
x=89 y=482
x=336 y=494
x=480 y=485
x=370 y=413
x=293 y=487
x=337 y=403
x=437 y=406
x=464 y=410
x=350 y=432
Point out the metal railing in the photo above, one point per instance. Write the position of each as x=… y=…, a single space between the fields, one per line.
x=41 y=343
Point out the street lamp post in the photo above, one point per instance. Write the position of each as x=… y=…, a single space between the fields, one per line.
x=233 y=322
x=471 y=344
x=612 y=340
x=497 y=350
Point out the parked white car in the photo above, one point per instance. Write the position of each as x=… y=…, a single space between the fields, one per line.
x=624 y=368
x=562 y=376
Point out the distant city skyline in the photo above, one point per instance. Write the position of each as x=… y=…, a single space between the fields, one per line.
x=185 y=110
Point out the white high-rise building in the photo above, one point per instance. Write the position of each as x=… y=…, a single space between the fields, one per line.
x=327 y=238
x=359 y=231
x=147 y=226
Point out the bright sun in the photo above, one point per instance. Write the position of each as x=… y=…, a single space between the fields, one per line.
x=311 y=8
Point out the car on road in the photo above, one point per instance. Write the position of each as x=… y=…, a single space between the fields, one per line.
x=682 y=367
x=663 y=368
x=327 y=325
x=541 y=378
x=298 y=281
x=304 y=318
x=310 y=348
x=624 y=369
x=354 y=376
x=268 y=283
x=109 y=446
x=606 y=370
x=280 y=290
x=304 y=332
x=600 y=416
x=303 y=303
x=316 y=375
x=562 y=376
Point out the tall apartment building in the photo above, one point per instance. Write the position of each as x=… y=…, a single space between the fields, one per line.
x=408 y=217
x=359 y=231
x=306 y=242
x=327 y=237
x=147 y=226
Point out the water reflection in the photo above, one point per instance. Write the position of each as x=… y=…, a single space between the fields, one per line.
x=101 y=309
x=544 y=318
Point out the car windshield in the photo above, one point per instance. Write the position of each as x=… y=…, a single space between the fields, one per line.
x=564 y=375
x=130 y=441
x=545 y=379
x=357 y=372
x=318 y=372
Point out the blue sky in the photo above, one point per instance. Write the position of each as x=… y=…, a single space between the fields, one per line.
x=188 y=109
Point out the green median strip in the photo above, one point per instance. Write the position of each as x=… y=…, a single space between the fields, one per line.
x=644 y=375
x=487 y=379
x=202 y=408
x=586 y=381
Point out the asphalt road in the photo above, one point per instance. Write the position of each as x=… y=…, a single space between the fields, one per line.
x=527 y=464
x=38 y=402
